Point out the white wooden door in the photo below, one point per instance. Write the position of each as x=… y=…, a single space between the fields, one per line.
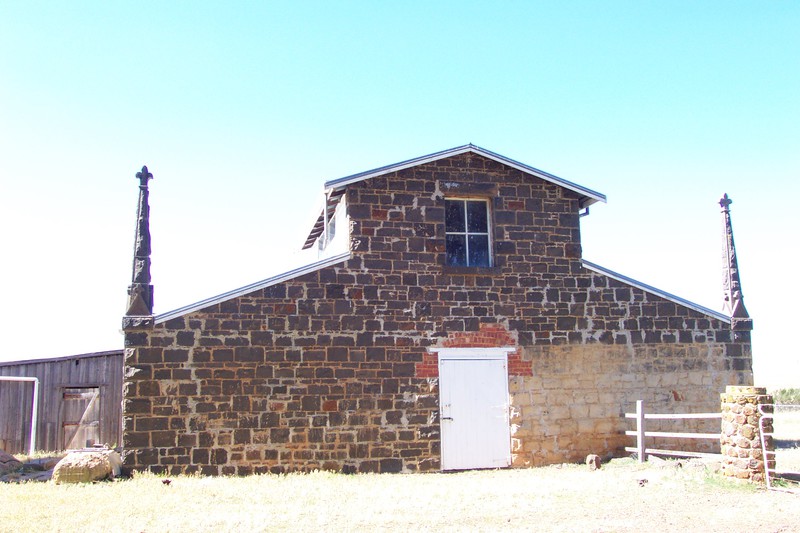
x=473 y=402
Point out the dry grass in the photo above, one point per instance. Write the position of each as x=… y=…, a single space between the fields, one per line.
x=570 y=498
x=566 y=498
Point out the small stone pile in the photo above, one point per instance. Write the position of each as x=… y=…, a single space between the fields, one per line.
x=8 y=463
x=15 y=471
x=740 y=441
x=78 y=466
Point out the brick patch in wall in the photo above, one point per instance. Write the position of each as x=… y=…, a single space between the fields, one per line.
x=488 y=336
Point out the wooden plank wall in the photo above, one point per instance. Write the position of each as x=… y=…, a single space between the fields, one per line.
x=103 y=370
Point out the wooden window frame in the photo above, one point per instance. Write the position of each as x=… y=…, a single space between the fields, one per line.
x=488 y=233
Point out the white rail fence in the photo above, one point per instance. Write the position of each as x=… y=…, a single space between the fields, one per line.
x=641 y=433
x=766 y=425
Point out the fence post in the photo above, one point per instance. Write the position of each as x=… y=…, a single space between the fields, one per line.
x=640 y=430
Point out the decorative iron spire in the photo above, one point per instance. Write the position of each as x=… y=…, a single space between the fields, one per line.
x=140 y=292
x=732 y=285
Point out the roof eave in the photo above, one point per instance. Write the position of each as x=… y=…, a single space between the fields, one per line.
x=241 y=291
x=657 y=292
x=589 y=196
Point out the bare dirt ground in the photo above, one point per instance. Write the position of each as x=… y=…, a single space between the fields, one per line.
x=623 y=496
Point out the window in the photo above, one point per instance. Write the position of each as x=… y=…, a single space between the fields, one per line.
x=466 y=226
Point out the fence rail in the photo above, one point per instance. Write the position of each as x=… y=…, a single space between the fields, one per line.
x=766 y=427
x=640 y=433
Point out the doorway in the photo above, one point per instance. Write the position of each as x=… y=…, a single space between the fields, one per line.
x=80 y=417
x=474 y=408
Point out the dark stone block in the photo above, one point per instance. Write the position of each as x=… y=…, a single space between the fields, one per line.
x=505 y=247
x=219 y=456
x=404 y=370
x=279 y=435
x=242 y=436
x=163 y=439
x=222 y=355
x=334 y=291
x=566 y=323
x=135 y=338
x=337 y=353
x=151 y=423
x=147 y=456
x=240 y=403
x=200 y=456
x=136 y=406
x=572 y=250
x=135 y=439
x=261 y=338
x=369 y=467
x=149 y=355
x=652 y=337
x=175 y=323
x=275 y=291
x=249 y=354
x=310 y=403
x=606 y=337
x=176 y=356
x=391 y=465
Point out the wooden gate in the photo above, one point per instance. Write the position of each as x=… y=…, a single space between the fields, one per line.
x=474 y=405
x=80 y=417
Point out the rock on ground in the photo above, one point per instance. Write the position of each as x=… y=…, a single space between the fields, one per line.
x=87 y=466
x=8 y=463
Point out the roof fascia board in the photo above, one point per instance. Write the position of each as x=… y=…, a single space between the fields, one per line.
x=592 y=196
x=63 y=358
x=395 y=167
x=286 y=276
x=658 y=292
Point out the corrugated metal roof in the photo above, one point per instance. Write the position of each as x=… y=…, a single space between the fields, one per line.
x=286 y=276
x=335 y=188
x=658 y=292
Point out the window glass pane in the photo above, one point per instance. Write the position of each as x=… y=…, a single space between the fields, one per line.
x=454 y=215
x=479 y=250
x=476 y=217
x=456 y=250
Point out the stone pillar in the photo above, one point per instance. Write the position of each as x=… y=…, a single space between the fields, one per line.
x=740 y=440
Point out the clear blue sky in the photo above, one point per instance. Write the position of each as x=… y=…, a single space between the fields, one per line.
x=243 y=109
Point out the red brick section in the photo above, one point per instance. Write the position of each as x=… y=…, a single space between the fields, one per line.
x=488 y=336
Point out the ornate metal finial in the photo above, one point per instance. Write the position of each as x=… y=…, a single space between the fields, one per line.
x=733 y=303
x=143 y=176
x=140 y=292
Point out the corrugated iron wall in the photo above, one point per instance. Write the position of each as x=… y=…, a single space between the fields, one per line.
x=60 y=383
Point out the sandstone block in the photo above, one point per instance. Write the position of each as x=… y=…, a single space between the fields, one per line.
x=87 y=466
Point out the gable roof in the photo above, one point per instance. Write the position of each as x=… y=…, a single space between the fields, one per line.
x=338 y=259
x=263 y=284
x=334 y=189
x=658 y=292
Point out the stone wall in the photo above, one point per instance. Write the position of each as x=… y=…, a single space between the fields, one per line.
x=332 y=369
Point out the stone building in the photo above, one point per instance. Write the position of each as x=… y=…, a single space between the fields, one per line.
x=450 y=323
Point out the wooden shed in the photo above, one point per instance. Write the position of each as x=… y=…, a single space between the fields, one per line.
x=78 y=404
